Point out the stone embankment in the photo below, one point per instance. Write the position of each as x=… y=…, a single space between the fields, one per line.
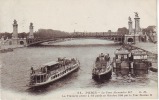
x=9 y=48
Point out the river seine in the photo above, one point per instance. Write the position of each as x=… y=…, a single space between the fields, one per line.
x=15 y=69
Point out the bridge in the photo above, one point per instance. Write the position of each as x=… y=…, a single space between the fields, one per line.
x=133 y=36
x=113 y=37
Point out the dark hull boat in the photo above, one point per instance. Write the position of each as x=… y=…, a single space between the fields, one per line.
x=102 y=69
x=102 y=76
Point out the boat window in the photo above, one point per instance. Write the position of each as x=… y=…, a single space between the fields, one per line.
x=125 y=56
x=42 y=78
x=142 y=57
x=122 y=57
x=39 y=78
x=116 y=56
x=119 y=56
x=136 y=57
x=145 y=57
x=53 y=67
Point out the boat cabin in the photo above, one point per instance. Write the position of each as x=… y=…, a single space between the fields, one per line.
x=102 y=60
x=138 y=55
x=121 y=59
x=139 y=60
x=40 y=75
x=51 y=66
x=121 y=63
x=121 y=55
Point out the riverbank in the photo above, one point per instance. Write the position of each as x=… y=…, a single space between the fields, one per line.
x=9 y=48
x=147 y=46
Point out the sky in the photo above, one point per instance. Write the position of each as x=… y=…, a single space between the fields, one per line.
x=78 y=15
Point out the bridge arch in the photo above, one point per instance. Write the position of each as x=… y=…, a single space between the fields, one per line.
x=130 y=40
x=21 y=42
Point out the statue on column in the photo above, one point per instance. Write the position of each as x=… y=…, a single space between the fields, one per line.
x=129 y=19
x=15 y=22
x=136 y=14
x=31 y=24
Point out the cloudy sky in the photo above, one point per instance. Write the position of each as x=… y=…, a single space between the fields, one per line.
x=81 y=15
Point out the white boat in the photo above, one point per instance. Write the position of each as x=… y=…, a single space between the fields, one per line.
x=52 y=71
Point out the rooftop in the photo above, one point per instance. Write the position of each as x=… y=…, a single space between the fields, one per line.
x=51 y=63
x=121 y=51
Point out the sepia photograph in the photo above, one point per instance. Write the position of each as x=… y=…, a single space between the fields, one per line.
x=78 y=49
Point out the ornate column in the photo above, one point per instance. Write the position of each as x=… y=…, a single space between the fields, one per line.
x=15 y=30
x=130 y=25
x=137 y=23
x=31 y=35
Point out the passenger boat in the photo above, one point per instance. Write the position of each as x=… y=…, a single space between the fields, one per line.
x=52 y=71
x=102 y=69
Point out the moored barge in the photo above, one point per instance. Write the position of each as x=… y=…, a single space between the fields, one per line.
x=130 y=62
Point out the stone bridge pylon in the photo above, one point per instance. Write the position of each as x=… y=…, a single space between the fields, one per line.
x=134 y=35
x=15 y=40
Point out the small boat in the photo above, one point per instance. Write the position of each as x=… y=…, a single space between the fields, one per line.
x=52 y=71
x=102 y=69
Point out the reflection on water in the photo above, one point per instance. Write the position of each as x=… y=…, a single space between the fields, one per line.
x=130 y=72
x=16 y=67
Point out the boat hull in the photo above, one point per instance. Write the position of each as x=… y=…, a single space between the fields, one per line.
x=104 y=76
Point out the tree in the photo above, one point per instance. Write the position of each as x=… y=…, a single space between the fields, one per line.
x=6 y=35
x=49 y=33
x=122 y=31
x=22 y=35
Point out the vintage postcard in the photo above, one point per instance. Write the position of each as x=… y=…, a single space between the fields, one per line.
x=78 y=49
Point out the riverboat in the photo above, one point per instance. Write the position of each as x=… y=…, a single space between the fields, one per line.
x=102 y=69
x=52 y=71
